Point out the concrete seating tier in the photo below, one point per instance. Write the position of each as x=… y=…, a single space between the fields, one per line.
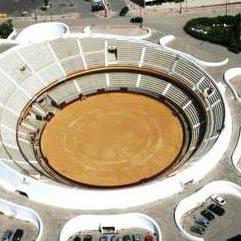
x=65 y=92
x=26 y=70
x=91 y=82
x=123 y=79
x=158 y=59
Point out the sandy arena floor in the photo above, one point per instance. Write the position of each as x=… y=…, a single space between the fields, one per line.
x=112 y=139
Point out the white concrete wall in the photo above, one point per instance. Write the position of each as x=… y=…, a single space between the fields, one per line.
x=196 y=199
x=121 y=221
x=42 y=31
x=228 y=76
x=22 y=213
x=88 y=31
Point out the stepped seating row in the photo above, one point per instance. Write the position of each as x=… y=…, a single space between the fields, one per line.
x=65 y=92
x=152 y=85
x=158 y=59
x=92 y=82
x=123 y=79
x=23 y=75
x=128 y=53
x=61 y=57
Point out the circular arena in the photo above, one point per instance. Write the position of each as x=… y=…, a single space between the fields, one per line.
x=94 y=110
x=87 y=117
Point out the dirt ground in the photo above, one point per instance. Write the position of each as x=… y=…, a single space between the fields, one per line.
x=112 y=139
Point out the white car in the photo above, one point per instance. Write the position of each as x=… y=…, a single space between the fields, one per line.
x=218 y=199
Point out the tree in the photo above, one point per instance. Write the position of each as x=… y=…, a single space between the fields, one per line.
x=5 y=29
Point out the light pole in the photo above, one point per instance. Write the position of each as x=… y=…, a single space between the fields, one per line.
x=106 y=7
x=226 y=8
x=141 y=17
x=35 y=12
x=51 y=13
x=180 y=7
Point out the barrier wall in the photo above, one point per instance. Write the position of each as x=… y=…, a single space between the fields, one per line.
x=121 y=221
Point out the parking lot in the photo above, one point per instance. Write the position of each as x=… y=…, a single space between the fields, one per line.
x=135 y=234
x=12 y=224
x=226 y=226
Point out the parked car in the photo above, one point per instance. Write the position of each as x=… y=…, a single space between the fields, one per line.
x=208 y=215
x=216 y=209
x=17 y=235
x=127 y=237
x=149 y=237
x=88 y=237
x=218 y=199
x=197 y=229
x=77 y=238
x=7 y=235
x=201 y=221
x=97 y=6
x=114 y=238
x=136 y=237
x=103 y=238
x=136 y=20
x=124 y=11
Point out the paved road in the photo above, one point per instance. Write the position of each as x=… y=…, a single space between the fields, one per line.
x=116 y=5
x=59 y=7
x=16 y=7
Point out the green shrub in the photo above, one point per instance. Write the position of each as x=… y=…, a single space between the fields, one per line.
x=5 y=29
x=223 y=30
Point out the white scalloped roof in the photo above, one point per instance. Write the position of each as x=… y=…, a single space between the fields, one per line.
x=42 y=31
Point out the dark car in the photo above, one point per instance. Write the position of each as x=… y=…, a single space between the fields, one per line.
x=17 y=235
x=201 y=221
x=208 y=215
x=126 y=238
x=136 y=237
x=98 y=6
x=88 y=238
x=7 y=235
x=77 y=238
x=216 y=209
x=124 y=11
x=197 y=229
x=103 y=238
x=136 y=20
x=114 y=238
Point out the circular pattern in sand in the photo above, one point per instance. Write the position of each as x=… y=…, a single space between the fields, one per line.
x=112 y=139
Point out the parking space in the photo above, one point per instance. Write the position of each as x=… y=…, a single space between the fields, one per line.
x=9 y=224
x=135 y=234
x=224 y=220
